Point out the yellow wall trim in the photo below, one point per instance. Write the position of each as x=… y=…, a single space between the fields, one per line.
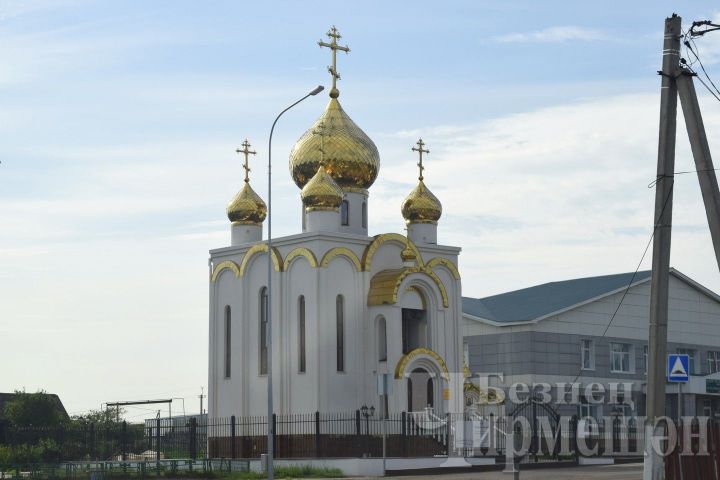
x=300 y=252
x=445 y=263
x=385 y=285
x=405 y=360
x=226 y=264
x=260 y=248
x=341 y=251
x=378 y=240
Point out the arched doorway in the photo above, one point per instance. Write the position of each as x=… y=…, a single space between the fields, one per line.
x=421 y=390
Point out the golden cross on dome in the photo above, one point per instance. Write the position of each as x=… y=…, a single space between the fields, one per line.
x=322 y=133
x=334 y=36
x=420 y=144
x=246 y=150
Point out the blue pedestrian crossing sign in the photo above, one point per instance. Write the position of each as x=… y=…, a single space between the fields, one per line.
x=678 y=367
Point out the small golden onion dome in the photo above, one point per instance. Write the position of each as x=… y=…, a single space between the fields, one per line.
x=421 y=206
x=246 y=207
x=321 y=192
x=407 y=254
x=350 y=157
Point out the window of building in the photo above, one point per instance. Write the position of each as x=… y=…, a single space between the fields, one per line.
x=228 y=321
x=691 y=357
x=340 y=332
x=364 y=215
x=382 y=340
x=713 y=362
x=301 y=334
x=588 y=409
x=620 y=356
x=587 y=354
x=345 y=213
x=263 y=331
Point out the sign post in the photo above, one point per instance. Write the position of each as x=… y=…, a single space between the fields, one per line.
x=678 y=371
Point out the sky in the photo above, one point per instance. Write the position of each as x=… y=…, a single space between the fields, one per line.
x=119 y=122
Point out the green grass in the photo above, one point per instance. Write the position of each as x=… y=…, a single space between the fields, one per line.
x=300 y=471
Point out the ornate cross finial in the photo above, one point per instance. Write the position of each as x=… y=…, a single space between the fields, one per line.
x=334 y=36
x=322 y=133
x=420 y=144
x=246 y=150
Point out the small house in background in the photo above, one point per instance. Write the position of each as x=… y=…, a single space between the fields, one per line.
x=6 y=398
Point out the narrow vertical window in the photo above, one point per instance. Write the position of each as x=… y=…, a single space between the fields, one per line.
x=587 y=354
x=340 y=332
x=228 y=321
x=382 y=340
x=345 y=213
x=263 y=347
x=430 y=393
x=301 y=334
x=364 y=215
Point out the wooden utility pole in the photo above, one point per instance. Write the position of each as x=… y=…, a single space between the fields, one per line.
x=657 y=344
x=701 y=154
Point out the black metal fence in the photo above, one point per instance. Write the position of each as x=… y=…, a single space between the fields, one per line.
x=314 y=435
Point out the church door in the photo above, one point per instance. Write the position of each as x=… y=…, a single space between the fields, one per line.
x=421 y=390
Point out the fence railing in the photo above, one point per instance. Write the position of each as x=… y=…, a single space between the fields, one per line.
x=313 y=435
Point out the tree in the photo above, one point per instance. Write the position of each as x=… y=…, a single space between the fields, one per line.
x=34 y=409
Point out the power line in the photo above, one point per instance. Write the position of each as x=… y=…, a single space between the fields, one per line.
x=637 y=269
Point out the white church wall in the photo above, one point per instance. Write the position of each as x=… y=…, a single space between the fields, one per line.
x=339 y=390
x=299 y=391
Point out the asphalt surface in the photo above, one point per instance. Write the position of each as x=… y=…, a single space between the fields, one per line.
x=600 y=472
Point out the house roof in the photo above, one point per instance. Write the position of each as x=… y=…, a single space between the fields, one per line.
x=540 y=301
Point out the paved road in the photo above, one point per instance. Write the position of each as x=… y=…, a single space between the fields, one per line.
x=603 y=472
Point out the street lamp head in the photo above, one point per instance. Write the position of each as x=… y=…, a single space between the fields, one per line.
x=364 y=410
x=317 y=90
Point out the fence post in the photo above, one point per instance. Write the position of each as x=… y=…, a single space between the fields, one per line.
x=317 y=434
x=157 y=443
x=274 y=429
x=403 y=433
x=192 y=438
x=232 y=436
x=447 y=434
x=574 y=437
x=123 y=441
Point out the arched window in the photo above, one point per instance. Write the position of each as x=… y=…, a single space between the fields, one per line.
x=364 y=215
x=263 y=347
x=345 y=213
x=228 y=321
x=340 y=332
x=382 y=340
x=301 y=334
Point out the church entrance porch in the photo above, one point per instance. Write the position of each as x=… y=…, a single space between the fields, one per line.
x=426 y=381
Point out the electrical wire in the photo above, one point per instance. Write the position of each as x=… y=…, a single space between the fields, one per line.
x=634 y=275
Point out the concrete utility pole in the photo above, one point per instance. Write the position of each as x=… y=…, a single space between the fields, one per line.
x=657 y=348
x=701 y=154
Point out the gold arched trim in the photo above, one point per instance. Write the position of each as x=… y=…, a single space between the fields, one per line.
x=341 y=251
x=388 y=237
x=226 y=264
x=300 y=252
x=261 y=248
x=471 y=387
x=445 y=263
x=406 y=359
x=385 y=285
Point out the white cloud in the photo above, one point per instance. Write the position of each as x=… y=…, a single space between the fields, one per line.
x=554 y=35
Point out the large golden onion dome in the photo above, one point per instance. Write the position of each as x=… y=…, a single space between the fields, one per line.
x=421 y=206
x=350 y=157
x=321 y=192
x=246 y=207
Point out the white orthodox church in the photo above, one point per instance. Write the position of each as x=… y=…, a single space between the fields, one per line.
x=346 y=306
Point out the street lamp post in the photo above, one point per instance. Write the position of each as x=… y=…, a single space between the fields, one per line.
x=270 y=423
